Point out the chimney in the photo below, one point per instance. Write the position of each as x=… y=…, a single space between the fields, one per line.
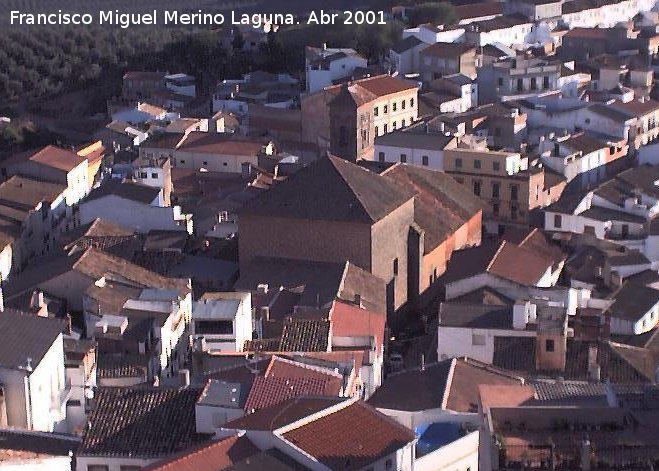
x=262 y=289
x=523 y=313
x=551 y=342
x=586 y=452
x=423 y=362
x=593 y=366
x=265 y=313
x=184 y=377
x=358 y=299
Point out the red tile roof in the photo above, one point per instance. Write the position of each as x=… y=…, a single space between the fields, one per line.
x=272 y=391
x=285 y=379
x=478 y=10
x=383 y=85
x=210 y=143
x=588 y=33
x=351 y=438
x=58 y=158
x=215 y=456
x=519 y=264
x=280 y=415
x=285 y=368
x=349 y=320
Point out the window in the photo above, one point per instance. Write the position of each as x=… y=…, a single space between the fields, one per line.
x=214 y=327
x=513 y=212
x=225 y=164
x=496 y=166
x=625 y=230
x=393 y=106
x=205 y=162
x=181 y=162
x=386 y=129
x=534 y=84
x=520 y=85
x=403 y=158
x=377 y=131
x=381 y=156
x=402 y=104
x=495 y=209
x=394 y=125
x=154 y=175
x=496 y=189
x=412 y=102
x=143 y=175
x=500 y=81
x=389 y=464
x=514 y=192
x=477 y=187
x=478 y=339
x=395 y=267
x=424 y=160
x=558 y=221
x=386 y=109
x=458 y=163
x=477 y=163
x=549 y=345
x=545 y=82
x=375 y=111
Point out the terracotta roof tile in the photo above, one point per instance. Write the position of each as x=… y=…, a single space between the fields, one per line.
x=349 y=320
x=351 y=438
x=270 y=391
x=55 y=157
x=141 y=422
x=305 y=335
x=358 y=195
x=519 y=264
x=210 y=143
x=216 y=456
x=282 y=414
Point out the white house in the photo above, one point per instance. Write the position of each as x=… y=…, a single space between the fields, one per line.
x=635 y=309
x=133 y=205
x=347 y=426
x=223 y=320
x=326 y=65
x=34 y=385
x=445 y=397
x=181 y=84
x=414 y=146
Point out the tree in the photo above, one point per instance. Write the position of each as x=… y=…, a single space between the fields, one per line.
x=433 y=12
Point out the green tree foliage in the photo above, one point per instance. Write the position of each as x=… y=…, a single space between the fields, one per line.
x=433 y=12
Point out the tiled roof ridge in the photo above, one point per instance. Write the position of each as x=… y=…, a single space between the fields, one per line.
x=491 y=369
x=201 y=449
x=311 y=417
x=298 y=364
x=449 y=382
x=614 y=345
x=531 y=233
x=338 y=161
x=494 y=257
